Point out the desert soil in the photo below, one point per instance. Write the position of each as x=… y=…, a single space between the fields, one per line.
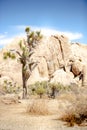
x=14 y=117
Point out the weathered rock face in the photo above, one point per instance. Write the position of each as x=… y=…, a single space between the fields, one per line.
x=76 y=67
x=42 y=68
x=56 y=52
x=84 y=72
x=54 y=55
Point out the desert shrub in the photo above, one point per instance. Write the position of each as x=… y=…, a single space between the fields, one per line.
x=78 y=113
x=47 y=88
x=31 y=89
x=10 y=87
x=38 y=107
x=40 y=88
x=56 y=88
x=40 y=91
x=43 y=84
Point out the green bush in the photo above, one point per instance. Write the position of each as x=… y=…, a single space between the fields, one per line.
x=40 y=91
x=40 y=88
x=45 y=87
x=10 y=87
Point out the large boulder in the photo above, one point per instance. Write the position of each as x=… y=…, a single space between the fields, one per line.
x=77 y=67
x=60 y=76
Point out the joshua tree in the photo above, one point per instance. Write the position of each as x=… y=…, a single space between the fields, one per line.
x=28 y=64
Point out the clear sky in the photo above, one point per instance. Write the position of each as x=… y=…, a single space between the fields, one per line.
x=66 y=16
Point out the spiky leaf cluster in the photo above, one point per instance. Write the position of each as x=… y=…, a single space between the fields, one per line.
x=32 y=36
x=9 y=54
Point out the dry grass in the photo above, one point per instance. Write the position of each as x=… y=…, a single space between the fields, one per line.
x=10 y=99
x=78 y=113
x=38 y=107
x=69 y=96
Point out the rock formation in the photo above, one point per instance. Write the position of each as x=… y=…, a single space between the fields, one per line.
x=59 y=61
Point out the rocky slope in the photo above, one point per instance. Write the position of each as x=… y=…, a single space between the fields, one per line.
x=59 y=61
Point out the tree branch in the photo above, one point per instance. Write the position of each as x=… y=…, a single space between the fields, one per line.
x=16 y=52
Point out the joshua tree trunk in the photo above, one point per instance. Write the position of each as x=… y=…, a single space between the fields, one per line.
x=24 y=89
x=24 y=83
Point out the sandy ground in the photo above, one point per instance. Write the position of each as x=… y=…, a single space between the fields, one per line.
x=14 y=117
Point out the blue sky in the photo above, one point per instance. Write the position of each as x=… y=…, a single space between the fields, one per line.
x=51 y=16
